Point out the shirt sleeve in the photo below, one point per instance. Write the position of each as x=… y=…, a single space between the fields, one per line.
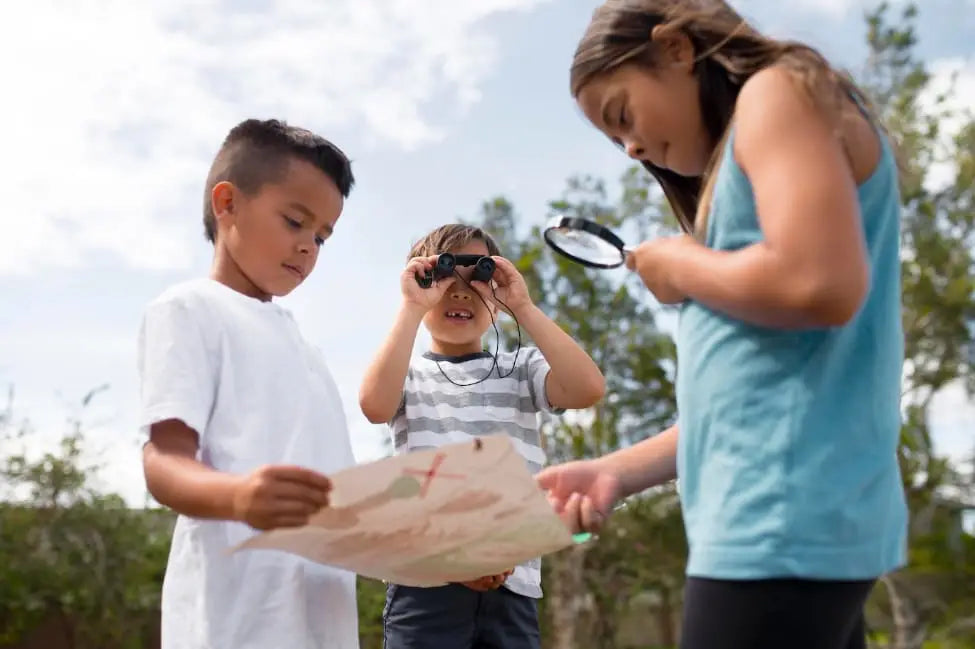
x=538 y=370
x=399 y=431
x=177 y=369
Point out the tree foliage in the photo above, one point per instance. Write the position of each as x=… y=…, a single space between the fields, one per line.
x=938 y=276
x=614 y=319
x=70 y=557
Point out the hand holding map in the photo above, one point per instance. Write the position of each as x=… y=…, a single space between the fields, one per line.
x=430 y=517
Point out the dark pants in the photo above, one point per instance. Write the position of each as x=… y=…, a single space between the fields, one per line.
x=773 y=614
x=456 y=617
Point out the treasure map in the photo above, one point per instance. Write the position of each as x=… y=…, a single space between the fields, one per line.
x=430 y=517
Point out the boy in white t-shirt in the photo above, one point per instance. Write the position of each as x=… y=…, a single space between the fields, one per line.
x=243 y=418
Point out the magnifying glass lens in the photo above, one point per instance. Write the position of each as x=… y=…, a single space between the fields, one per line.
x=584 y=245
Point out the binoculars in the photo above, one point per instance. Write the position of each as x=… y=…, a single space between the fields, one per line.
x=447 y=262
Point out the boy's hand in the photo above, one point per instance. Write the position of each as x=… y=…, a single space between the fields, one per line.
x=491 y=582
x=413 y=293
x=280 y=496
x=511 y=288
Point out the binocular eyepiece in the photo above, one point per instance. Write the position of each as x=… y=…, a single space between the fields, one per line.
x=447 y=263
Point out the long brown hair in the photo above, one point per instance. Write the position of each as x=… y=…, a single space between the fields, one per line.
x=727 y=52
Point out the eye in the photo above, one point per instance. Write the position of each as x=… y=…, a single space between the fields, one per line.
x=291 y=222
x=622 y=117
x=319 y=240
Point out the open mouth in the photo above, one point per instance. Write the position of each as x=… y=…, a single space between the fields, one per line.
x=459 y=314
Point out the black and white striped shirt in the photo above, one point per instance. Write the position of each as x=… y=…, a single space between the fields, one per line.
x=436 y=411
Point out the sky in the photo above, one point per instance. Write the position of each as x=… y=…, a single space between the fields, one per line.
x=114 y=110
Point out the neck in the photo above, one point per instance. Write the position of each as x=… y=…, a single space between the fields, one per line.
x=226 y=271
x=455 y=349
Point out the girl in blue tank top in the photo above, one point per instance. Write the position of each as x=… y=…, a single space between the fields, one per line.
x=789 y=344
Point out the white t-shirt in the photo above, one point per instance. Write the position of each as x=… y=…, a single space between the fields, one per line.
x=238 y=371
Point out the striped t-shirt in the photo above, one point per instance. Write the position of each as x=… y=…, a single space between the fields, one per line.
x=435 y=411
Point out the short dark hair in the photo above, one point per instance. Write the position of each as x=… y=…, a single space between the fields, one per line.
x=450 y=237
x=256 y=152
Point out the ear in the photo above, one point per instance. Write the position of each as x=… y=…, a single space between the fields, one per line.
x=674 y=45
x=223 y=202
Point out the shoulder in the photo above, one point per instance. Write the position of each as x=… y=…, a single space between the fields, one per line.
x=774 y=107
x=420 y=364
x=531 y=354
x=781 y=132
x=191 y=295
x=182 y=311
x=777 y=94
x=422 y=375
x=526 y=361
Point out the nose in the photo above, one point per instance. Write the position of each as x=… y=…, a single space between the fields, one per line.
x=306 y=245
x=463 y=296
x=634 y=150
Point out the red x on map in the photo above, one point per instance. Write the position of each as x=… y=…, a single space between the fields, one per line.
x=434 y=470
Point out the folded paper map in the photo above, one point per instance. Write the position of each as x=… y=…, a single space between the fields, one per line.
x=429 y=517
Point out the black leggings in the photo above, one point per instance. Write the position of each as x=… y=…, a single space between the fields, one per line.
x=774 y=614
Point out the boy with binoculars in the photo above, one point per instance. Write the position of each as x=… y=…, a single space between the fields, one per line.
x=454 y=283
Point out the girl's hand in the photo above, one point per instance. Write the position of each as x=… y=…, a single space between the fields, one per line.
x=582 y=493
x=654 y=262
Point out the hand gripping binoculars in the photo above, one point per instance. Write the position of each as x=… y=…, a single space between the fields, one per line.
x=447 y=262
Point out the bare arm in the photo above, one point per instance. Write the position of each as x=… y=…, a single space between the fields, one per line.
x=811 y=268
x=382 y=386
x=270 y=497
x=176 y=479
x=574 y=380
x=583 y=492
x=381 y=391
x=646 y=464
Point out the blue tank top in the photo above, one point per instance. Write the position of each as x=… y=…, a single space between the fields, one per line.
x=787 y=453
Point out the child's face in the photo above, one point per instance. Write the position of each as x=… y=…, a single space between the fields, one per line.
x=271 y=239
x=461 y=318
x=653 y=115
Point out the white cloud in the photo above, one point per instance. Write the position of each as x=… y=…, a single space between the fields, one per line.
x=954 y=78
x=952 y=420
x=113 y=108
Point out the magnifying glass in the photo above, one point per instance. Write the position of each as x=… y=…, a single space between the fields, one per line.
x=586 y=242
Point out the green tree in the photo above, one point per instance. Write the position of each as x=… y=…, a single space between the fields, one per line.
x=636 y=572
x=72 y=557
x=614 y=320
x=611 y=318
x=371 y=599
x=938 y=275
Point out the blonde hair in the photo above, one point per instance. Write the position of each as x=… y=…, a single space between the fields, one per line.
x=728 y=51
